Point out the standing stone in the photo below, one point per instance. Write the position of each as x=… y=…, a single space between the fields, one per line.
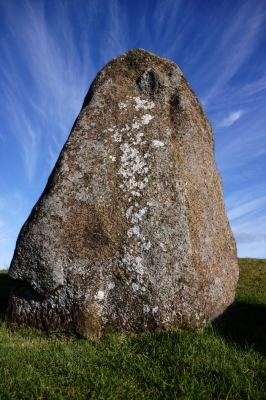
x=130 y=233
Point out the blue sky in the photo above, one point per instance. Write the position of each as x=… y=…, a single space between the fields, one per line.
x=51 y=50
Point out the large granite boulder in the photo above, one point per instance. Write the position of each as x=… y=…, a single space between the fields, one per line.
x=130 y=233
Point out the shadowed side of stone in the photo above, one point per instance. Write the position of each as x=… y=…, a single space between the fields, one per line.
x=130 y=233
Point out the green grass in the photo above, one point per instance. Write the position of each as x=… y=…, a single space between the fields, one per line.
x=226 y=361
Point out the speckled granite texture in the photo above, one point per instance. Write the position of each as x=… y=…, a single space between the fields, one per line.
x=130 y=233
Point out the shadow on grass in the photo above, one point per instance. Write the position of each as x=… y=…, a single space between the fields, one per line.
x=4 y=294
x=244 y=325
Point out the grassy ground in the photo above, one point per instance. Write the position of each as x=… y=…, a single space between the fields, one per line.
x=226 y=361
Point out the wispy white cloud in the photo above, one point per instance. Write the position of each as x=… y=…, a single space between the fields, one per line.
x=115 y=32
x=14 y=208
x=254 y=87
x=243 y=147
x=250 y=95
x=246 y=207
x=247 y=216
x=237 y=44
x=4 y=242
x=23 y=128
x=41 y=109
x=3 y=234
x=244 y=237
x=251 y=225
x=165 y=17
x=250 y=199
x=250 y=234
x=232 y=117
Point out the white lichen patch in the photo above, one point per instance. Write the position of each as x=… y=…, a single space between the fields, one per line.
x=100 y=295
x=134 y=263
x=157 y=143
x=117 y=137
x=145 y=119
x=146 y=308
x=133 y=169
x=162 y=246
x=136 y=125
x=135 y=287
x=137 y=216
x=129 y=211
x=139 y=265
x=134 y=193
x=139 y=140
x=146 y=105
x=122 y=105
x=134 y=231
x=146 y=246
x=132 y=166
x=111 y=285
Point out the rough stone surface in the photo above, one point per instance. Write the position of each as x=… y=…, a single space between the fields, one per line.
x=130 y=233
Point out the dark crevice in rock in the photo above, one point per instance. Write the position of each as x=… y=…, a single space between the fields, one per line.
x=23 y=290
x=150 y=83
